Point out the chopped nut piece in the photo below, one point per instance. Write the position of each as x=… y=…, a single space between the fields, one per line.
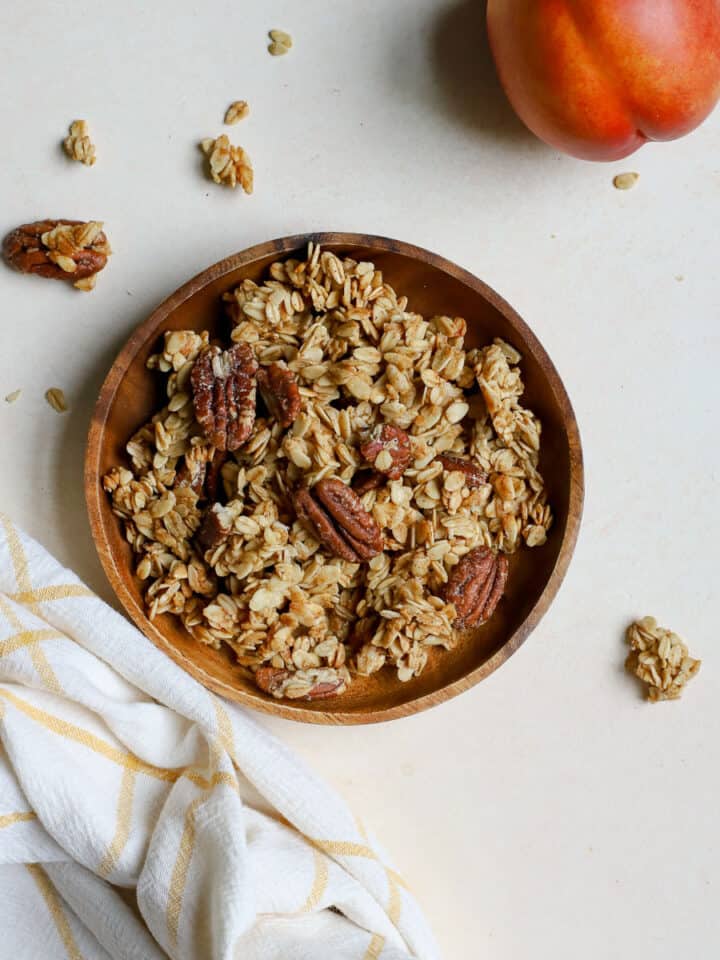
x=227 y=164
x=237 y=111
x=625 y=181
x=216 y=526
x=660 y=659
x=474 y=475
x=387 y=447
x=279 y=389
x=56 y=398
x=78 y=145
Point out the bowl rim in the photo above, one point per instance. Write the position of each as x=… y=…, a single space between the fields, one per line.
x=98 y=510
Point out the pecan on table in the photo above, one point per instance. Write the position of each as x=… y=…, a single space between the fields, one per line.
x=388 y=449
x=475 y=586
x=58 y=249
x=279 y=390
x=475 y=476
x=340 y=521
x=223 y=386
x=272 y=680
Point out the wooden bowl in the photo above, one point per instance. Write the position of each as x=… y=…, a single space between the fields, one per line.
x=131 y=394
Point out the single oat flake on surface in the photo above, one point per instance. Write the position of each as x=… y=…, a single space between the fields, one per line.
x=78 y=145
x=12 y=397
x=237 y=111
x=280 y=42
x=56 y=398
x=625 y=181
x=659 y=658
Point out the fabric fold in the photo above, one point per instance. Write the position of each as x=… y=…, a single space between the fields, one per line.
x=141 y=816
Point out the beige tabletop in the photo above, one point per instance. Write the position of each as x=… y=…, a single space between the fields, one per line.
x=549 y=812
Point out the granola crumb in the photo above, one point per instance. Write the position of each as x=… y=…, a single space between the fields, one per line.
x=227 y=164
x=659 y=658
x=78 y=145
x=237 y=111
x=56 y=398
x=625 y=181
x=12 y=397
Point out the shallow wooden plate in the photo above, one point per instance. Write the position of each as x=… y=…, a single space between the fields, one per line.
x=131 y=394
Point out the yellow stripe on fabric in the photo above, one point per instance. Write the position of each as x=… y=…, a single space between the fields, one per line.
x=17 y=555
x=394 y=900
x=47 y=594
x=375 y=947
x=77 y=734
x=122 y=828
x=178 y=878
x=10 y=615
x=45 y=671
x=319 y=883
x=343 y=848
x=25 y=638
x=225 y=728
x=8 y=819
x=54 y=905
x=117 y=755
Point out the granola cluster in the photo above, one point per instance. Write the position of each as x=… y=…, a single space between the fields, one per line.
x=383 y=474
x=660 y=659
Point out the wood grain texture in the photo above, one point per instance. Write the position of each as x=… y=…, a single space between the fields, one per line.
x=131 y=394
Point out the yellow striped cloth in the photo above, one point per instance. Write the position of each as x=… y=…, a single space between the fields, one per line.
x=142 y=817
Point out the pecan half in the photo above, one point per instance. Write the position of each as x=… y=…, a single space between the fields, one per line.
x=475 y=476
x=388 y=449
x=340 y=521
x=217 y=524
x=58 y=249
x=279 y=390
x=272 y=680
x=223 y=385
x=475 y=586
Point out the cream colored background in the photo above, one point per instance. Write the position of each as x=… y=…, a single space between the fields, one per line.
x=549 y=812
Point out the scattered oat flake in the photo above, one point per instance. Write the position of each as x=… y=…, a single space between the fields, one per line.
x=237 y=111
x=56 y=398
x=12 y=397
x=278 y=49
x=78 y=145
x=281 y=36
x=625 y=181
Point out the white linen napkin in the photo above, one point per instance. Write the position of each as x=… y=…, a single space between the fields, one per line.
x=143 y=817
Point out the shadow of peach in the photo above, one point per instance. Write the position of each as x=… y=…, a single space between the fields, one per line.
x=465 y=75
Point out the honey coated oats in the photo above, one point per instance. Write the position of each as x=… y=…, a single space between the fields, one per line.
x=337 y=489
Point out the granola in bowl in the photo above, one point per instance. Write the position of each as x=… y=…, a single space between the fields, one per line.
x=336 y=489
